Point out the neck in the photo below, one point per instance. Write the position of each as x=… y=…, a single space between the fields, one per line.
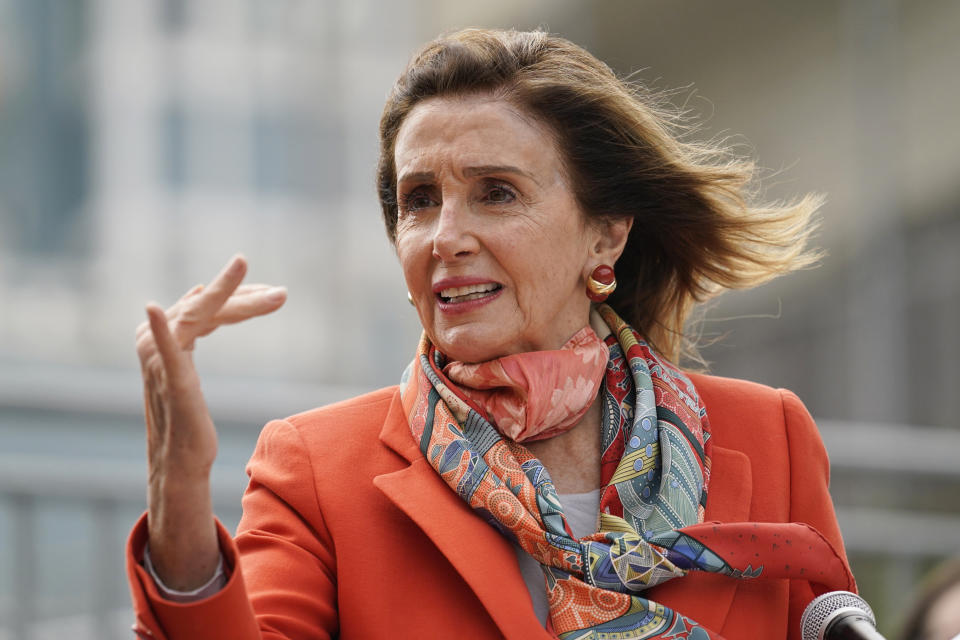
x=573 y=457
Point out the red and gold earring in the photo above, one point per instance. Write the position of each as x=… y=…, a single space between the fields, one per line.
x=601 y=283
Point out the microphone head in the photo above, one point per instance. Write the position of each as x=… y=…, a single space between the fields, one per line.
x=824 y=609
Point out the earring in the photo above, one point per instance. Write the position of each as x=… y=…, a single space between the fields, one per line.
x=601 y=283
x=410 y=298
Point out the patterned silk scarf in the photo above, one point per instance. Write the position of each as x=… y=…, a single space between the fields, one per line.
x=655 y=471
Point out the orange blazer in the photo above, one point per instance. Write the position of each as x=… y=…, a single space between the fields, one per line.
x=348 y=532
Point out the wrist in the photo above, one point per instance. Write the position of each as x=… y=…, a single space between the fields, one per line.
x=208 y=588
x=174 y=500
x=178 y=485
x=183 y=541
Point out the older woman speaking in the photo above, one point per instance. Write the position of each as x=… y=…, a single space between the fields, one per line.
x=544 y=469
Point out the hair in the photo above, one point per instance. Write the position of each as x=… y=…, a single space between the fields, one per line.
x=694 y=233
x=935 y=585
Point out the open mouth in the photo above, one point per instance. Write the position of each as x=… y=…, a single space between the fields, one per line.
x=454 y=295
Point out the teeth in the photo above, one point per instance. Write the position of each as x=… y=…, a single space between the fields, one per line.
x=472 y=296
x=456 y=292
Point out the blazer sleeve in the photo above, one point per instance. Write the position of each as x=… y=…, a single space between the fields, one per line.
x=282 y=583
x=810 y=500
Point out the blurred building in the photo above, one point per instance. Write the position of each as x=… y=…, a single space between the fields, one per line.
x=143 y=143
x=170 y=135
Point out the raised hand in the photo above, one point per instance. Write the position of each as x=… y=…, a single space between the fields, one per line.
x=181 y=437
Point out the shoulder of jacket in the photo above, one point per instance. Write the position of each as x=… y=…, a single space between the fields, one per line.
x=712 y=387
x=356 y=419
x=365 y=404
x=733 y=403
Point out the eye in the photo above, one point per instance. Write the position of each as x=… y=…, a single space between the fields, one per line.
x=499 y=193
x=416 y=199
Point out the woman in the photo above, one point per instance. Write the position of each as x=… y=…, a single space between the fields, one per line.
x=523 y=185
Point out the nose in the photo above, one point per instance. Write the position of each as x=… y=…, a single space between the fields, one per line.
x=454 y=237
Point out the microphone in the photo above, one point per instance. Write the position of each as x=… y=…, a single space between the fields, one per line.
x=839 y=615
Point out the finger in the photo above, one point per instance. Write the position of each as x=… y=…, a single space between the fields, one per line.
x=207 y=302
x=174 y=312
x=245 y=289
x=146 y=347
x=242 y=289
x=167 y=346
x=192 y=292
x=177 y=307
x=144 y=327
x=254 y=303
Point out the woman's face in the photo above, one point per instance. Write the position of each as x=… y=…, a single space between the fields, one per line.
x=494 y=248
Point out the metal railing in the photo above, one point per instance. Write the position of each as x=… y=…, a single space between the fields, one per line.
x=29 y=482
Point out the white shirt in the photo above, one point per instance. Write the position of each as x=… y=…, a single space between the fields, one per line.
x=581 y=511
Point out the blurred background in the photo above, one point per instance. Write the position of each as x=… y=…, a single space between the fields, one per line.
x=143 y=142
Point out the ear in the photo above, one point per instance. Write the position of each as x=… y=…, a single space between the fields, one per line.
x=609 y=240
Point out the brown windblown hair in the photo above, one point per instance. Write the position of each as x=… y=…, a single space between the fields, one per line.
x=694 y=233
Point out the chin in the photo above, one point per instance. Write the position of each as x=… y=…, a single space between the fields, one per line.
x=469 y=347
x=470 y=354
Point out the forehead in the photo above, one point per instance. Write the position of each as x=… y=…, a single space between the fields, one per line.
x=473 y=129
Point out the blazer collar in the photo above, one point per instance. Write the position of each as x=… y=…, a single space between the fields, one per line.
x=482 y=557
x=487 y=562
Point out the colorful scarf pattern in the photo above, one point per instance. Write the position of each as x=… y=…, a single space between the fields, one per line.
x=655 y=472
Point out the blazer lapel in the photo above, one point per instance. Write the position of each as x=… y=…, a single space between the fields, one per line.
x=731 y=492
x=482 y=557
x=731 y=486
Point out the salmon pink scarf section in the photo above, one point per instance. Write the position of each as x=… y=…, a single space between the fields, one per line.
x=538 y=394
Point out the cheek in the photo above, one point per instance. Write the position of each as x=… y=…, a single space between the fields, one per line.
x=411 y=259
x=545 y=276
x=561 y=254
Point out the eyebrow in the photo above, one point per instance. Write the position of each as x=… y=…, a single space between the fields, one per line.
x=470 y=172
